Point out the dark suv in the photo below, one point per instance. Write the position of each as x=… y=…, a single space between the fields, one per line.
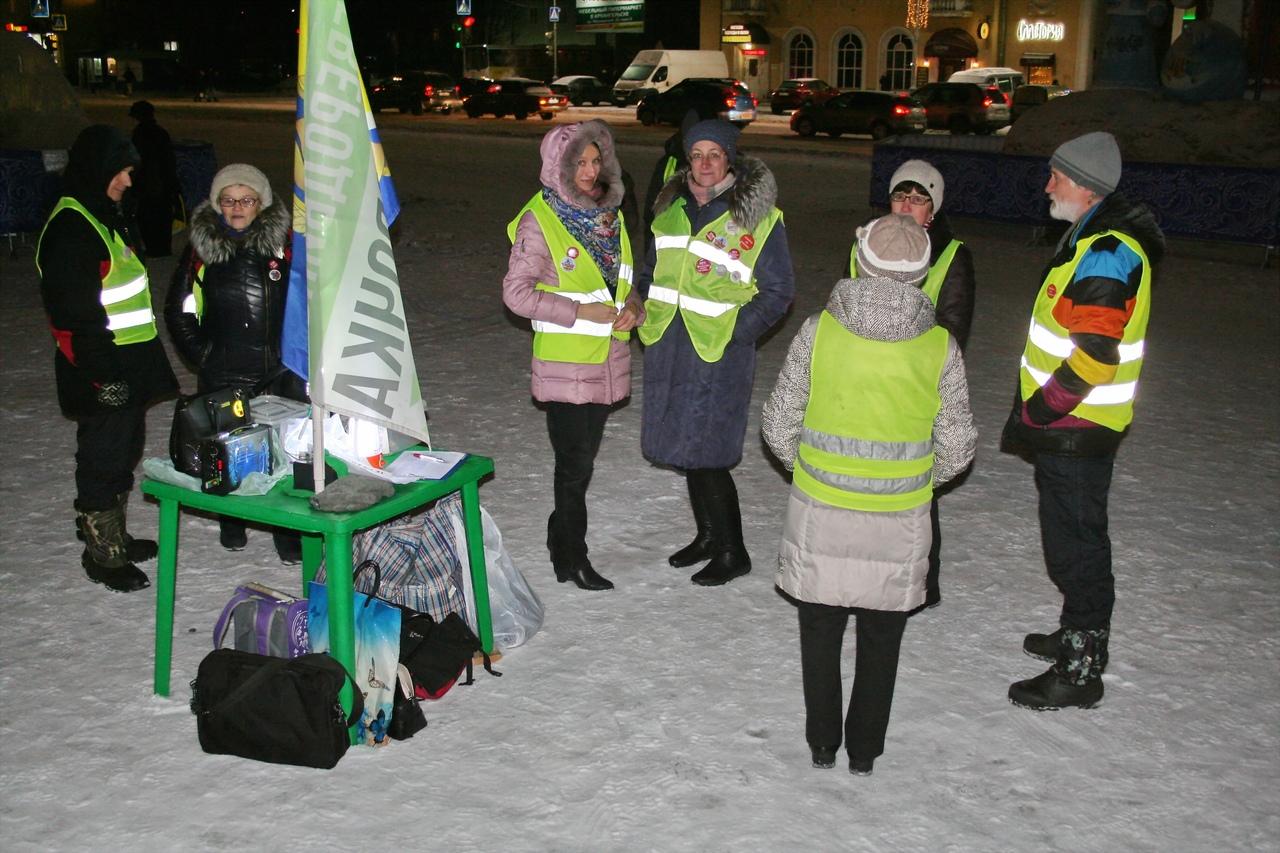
x=583 y=89
x=880 y=114
x=414 y=92
x=962 y=107
x=800 y=92
x=517 y=96
x=707 y=96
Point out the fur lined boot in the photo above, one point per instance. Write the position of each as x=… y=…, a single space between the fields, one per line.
x=105 y=558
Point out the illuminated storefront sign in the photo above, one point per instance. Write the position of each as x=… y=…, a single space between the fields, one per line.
x=1041 y=31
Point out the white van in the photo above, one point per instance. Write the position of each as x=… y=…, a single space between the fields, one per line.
x=1007 y=79
x=659 y=70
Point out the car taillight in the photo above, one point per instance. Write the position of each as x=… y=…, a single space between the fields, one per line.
x=494 y=89
x=986 y=102
x=542 y=102
x=755 y=102
x=900 y=110
x=428 y=90
x=731 y=102
x=457 y=90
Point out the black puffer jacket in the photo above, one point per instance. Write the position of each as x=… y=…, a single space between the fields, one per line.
x=243 y=278
x=70 y=258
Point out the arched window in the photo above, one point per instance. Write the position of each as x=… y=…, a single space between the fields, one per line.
x=849 y=62
x=899 y=61
x=800 y=56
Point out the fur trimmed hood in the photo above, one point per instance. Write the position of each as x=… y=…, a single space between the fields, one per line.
x=561 y=148
x=266 y=235
x=753 y=194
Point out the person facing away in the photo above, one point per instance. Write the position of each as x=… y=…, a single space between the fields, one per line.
x=109 y=364
x=1076 y=387
x=225 y=307
x=155 y=182
x=570 y=273
x=917 y=191
x=717 y=275
x=870 y=412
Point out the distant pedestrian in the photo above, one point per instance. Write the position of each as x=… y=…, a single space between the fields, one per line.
x=886 y=82
x=155 y=181
x=717 y=275
x=1076 y=389
x=108 y=361
x=871 y=412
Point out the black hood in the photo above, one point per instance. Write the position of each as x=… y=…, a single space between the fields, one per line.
x=1119 y=213
x=100 y=152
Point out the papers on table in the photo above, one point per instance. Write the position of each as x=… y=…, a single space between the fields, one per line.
x=425 y=464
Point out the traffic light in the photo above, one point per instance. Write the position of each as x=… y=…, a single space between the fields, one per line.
x=469 y=22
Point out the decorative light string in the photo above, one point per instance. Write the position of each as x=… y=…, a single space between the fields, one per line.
x=917 y=14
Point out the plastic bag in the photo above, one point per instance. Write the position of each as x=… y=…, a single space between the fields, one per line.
x=515 y=608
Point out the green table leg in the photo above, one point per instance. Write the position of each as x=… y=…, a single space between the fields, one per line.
x=475 y=555
x=166 y=578
x=342 y=643
x=312 y=554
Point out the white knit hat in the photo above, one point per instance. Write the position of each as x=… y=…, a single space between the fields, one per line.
x=245 y=175
x=895 y=247
x=922 y=173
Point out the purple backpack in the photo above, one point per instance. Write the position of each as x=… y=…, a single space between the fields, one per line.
x=265 y=621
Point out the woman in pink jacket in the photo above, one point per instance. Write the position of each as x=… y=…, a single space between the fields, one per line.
x=570 y=275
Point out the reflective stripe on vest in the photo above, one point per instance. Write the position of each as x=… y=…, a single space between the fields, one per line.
x=193 y=302
x=932 y=284
x=579 y=279
x=126 y=293
x=670 y=169
x=867 y=441
x=706 y=277
x=1049 y=343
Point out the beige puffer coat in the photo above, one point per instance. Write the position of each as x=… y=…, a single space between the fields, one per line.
x=849 y=558
x=531 y=262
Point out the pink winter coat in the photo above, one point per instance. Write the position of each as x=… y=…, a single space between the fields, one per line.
x=531 y=262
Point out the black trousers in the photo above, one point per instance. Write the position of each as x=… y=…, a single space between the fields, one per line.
x=879 y=638
x=575 y=430
x=1073 y=531
x=108 y=447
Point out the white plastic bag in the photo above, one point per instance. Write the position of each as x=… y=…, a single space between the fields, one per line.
x=514 y=607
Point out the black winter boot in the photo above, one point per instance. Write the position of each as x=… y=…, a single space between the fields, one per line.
x=1042 y=646
x=231 y=534
x=105 y=558
x=573 y=568
x=1075 y=680
x=729 y=558
x=700 y=548
x=137 y=550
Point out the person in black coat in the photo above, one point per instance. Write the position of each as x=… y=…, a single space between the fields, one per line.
x=155 y=182
x=225 y=309
x=108 y=361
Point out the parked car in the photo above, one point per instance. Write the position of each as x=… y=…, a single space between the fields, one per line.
x=1005 y=79
x=469 y=86
x=1031 y=96
x=415 y=92
x=721 y=97
x=800 y=92
x=962 y=107
x=583 y=89
x=517 y=96
x=880 y=114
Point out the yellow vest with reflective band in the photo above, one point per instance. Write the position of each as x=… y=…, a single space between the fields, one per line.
x=1049 y=343
x=867 y=441
x=126 y=293
x=708 y=276
x=932 y=284
x=193 y=303
x=670 y=168
x=580 y=280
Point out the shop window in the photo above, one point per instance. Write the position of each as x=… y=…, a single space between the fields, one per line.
x=849 y=62
x=1041 y=75
x=899 y=61
x=800 y=56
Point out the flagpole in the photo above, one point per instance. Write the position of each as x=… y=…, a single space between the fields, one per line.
x=317 y=447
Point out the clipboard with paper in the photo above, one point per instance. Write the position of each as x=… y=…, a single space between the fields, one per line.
x=426 y=464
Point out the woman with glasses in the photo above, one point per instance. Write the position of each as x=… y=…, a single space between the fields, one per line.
x=717 y=276
x=225 y=308
x=917 y=189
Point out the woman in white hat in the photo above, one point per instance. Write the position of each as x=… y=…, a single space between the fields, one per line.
x=225 y=308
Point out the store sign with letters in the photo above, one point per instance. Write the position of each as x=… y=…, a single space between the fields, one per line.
x=1041 y=30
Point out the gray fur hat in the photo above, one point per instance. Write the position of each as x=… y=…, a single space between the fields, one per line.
x=893 y=247
x=245 y=175
x=1092 y=161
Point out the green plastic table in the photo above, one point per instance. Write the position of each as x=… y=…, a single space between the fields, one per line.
x=323 y=533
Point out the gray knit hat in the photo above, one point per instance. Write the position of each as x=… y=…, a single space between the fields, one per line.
x=1092 y=161
x=244 y=174
x=922 y=174
x=715 y=130
x=895 y=247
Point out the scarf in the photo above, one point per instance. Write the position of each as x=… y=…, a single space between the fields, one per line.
x=596 y=229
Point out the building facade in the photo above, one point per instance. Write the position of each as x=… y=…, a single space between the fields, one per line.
x=869 y=44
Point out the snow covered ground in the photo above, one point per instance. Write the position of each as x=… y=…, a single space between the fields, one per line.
x=664 y=716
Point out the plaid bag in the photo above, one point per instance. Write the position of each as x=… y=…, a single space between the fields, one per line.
x=418 y=560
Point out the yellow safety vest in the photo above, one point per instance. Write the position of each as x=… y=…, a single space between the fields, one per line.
x=580 y=280
x=126 y=291
x=867 y=440
x=1049 y=342
x=707 y=276
x=932 y=284
x=670 y=168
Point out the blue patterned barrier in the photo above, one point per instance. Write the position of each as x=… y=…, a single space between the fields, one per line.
x=1230 y=203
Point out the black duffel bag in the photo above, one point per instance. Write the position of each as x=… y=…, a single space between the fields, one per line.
x=281 y=710
x=197 y=417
